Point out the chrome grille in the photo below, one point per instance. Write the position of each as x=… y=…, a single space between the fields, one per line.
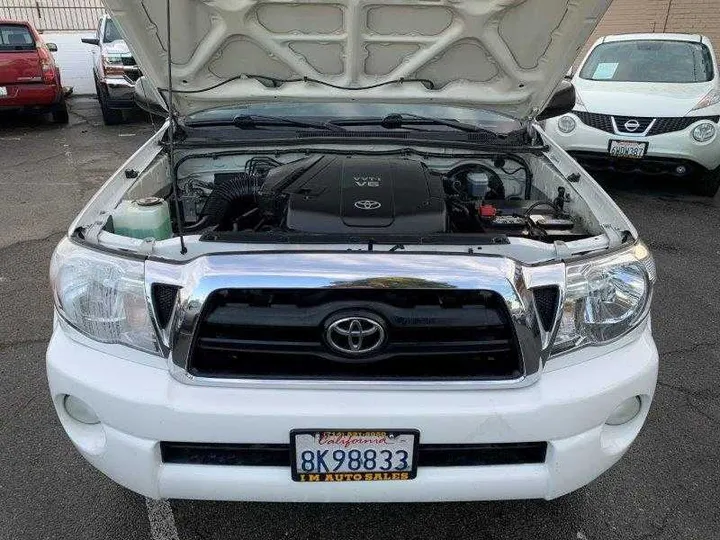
x=365 y=273
x=431 y=335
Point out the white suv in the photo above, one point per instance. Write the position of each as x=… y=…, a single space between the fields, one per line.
x=647 y=103
x=352 y=267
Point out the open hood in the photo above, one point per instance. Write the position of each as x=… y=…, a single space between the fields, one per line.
x=502 y=55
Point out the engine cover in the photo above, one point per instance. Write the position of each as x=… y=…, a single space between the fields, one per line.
x=361 y=194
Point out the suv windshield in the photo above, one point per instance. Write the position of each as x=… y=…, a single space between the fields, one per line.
x=349 y=111
x=649 y=61
x=16 y=37
x=111 y=32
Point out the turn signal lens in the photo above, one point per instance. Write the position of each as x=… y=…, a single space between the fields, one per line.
x=113 y=65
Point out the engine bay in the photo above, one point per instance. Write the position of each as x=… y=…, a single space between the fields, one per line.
x=372 y=198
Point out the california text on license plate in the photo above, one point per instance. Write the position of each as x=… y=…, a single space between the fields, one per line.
x=628 y=149
x=353 y=456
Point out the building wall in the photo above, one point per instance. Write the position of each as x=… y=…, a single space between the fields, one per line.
x=75 y=60
x=684 y=16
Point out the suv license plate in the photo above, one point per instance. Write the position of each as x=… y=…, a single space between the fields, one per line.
x=353 y=455
x=3 y=91
x=628 y=149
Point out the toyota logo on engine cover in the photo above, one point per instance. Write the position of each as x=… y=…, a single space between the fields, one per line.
x=367 y=205
x=632 y=125
x=355 y=335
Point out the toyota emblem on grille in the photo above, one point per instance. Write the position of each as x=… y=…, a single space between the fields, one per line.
x=367 y=205
x=355 y=335
x=632 y=125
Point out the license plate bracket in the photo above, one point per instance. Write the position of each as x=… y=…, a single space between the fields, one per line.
x=627 y=149
x=353 y=455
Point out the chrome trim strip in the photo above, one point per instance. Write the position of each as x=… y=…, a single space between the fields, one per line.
x=295 y=270
x=118 y=82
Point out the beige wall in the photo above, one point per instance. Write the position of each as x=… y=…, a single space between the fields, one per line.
x=686 y=16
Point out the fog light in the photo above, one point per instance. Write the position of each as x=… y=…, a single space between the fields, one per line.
x=566 y=124
x=78 y=410
x=703 y=132
x=625 y=412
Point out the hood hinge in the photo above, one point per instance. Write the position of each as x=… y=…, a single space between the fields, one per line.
x=615 y=238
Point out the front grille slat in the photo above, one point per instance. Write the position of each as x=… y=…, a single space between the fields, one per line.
x=546 y=301
x=290 y=347
x=670 y=125
x=598 y=121
x=278 y=455
x=431 y=335
x=164 y=297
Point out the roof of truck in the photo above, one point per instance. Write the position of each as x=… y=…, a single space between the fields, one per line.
x=654 y=36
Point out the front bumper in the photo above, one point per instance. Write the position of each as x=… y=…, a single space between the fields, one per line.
x=119 y=91
x=140 y=405
x=677 y=147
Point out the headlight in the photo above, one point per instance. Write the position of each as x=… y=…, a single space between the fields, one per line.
x=710 y=99
x=703 y=132
x=566 y=124
x=113 y=65
x=102 y=296
x=112 y=59
x=605 y=298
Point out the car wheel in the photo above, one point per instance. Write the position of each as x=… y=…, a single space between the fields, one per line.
x=707 y=184
x=60 y=115
x=110 y=116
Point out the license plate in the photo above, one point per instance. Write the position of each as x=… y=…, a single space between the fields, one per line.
x=353 y=456
x=628 y=149
x=3 y=91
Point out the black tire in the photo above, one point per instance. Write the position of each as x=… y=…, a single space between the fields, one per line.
x=111 y=117
x=60 y=115
x=707 y=184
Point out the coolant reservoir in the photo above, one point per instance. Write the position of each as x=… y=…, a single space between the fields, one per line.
x=143 y=218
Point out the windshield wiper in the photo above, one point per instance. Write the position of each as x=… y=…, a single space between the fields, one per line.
x=401 y=120
x=252 y=121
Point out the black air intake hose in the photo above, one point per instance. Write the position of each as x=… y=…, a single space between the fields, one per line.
x=232 y=195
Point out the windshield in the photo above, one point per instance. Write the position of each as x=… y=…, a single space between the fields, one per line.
x=649 y=61
x=15 y=37
x=111 y=32
x=330 y=111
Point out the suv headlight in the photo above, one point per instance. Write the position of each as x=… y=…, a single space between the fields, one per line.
x=102 y=296
x=605 y=298
x=113 y=64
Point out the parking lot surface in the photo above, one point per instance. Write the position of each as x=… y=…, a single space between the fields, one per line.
x=667 y=487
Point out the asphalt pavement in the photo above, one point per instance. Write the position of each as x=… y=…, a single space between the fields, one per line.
x=666 y=487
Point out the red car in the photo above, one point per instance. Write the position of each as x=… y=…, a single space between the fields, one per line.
x=29 y=78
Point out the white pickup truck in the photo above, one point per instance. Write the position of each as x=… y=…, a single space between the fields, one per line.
x=351 y=266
